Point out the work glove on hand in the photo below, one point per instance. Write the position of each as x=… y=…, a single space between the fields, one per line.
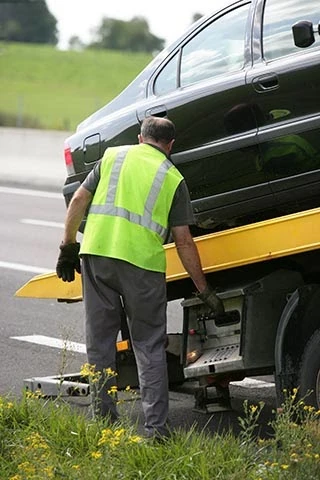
x=209 y=297
x=68 y=261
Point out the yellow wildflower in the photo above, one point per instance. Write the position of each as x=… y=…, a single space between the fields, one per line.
x=106 y=434
x=96 y=455
x=89 y=370
x=119 y=432
x=135 y=439
x=35 y=441
x=113 y=390
x=27 y=468
x=49 y=471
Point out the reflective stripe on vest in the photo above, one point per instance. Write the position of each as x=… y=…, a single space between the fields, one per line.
x=145 y=220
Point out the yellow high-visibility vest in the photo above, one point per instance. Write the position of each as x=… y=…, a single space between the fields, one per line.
x=128 y=216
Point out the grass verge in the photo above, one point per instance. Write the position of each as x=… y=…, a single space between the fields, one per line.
x=44 y=439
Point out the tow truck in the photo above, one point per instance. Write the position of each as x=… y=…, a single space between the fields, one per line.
x=267 y=275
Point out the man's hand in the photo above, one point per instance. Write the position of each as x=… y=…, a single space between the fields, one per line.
x=68 y=261
x=209 y=297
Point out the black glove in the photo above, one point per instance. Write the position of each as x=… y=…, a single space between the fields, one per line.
x=68 y=261
x=209 y=297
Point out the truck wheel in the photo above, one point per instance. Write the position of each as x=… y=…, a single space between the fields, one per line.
x=309 y=383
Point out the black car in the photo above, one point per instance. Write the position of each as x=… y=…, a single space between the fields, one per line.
x=242 y=87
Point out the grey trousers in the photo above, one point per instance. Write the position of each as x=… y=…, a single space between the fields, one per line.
x=108 y=284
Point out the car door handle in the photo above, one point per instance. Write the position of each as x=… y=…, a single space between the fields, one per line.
x=265 y=83
x=157 y=111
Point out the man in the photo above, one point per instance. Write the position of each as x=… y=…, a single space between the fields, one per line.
x=137 y=197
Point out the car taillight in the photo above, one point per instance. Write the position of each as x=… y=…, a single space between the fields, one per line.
x=68 y=160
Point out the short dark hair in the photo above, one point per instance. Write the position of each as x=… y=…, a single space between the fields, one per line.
x=158 y=128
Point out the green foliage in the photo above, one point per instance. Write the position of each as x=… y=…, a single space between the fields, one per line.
x=27 y=21
x=293 y=453
x=42 y=439
x=42 y=86
x=249 y=422
x=132 y=36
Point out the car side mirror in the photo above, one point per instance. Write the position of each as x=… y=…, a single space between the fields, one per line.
x=303 y=33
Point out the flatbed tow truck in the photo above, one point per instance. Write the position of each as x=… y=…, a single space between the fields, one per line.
x=268 y=276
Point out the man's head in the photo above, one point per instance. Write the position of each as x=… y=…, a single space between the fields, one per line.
x=158 y=131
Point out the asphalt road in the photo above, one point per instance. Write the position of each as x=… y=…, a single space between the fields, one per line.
x=31 y=229
x=33 y=333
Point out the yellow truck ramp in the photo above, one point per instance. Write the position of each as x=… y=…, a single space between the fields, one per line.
x=257 y=242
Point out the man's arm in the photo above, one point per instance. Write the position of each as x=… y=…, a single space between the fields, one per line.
x=75 y=213
x=189 y=255
x=190 y=259
x=68 y=260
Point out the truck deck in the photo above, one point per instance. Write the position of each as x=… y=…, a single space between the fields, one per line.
x=236 y=247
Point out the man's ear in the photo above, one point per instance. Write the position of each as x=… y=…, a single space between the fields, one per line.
x=140 y=138
x=170 y=144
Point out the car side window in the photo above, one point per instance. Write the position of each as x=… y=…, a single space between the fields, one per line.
x=167 y=80
x=278 y=18
x=217 y=49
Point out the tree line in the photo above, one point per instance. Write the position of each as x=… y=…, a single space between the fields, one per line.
x=30 y=21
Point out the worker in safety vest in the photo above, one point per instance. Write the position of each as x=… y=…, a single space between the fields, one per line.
x=137 y=197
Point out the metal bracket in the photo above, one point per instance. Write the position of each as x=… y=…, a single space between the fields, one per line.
x=69 y=385
x=206 y=403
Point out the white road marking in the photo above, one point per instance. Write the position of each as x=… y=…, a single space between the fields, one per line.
x=53 y=342
x=29 y=192
x=41 y=223
x=24 y=268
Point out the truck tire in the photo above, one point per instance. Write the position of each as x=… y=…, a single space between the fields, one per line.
x=309 y=378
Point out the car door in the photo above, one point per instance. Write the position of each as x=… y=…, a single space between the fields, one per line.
x=202 y=88
x=285 y=82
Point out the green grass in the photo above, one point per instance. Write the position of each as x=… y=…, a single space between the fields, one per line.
x=43 y=439
x=47 y=88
